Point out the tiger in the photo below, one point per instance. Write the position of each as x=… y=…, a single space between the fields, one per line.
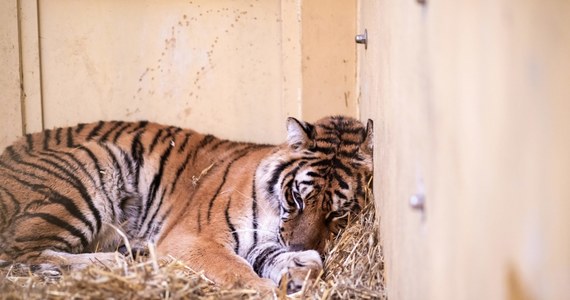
x=241 y=212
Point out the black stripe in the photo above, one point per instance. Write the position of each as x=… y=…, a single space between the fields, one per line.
x=346 y=142
x=218 y=144
x=47 y=136
x=241 y=154
x=275 y=176
x=260 y=261
x=231 y=226
x=156 y=181
x=116 y=165
x=60 y=223
x=337 y=164
x=128 y=160
x=30 y=141
x=185 y=142
x=179 y=173
x=350 y=154
x=199 y=218
x=176 y=130
x=120 y=132
x=4 y=209
x=329 y=140
x=106 y=135
x=307 y=182
x=341 y=182
x=141 y=125
x=95 y=130
x=158 y=207
x=121 y=179
x=69 y=137
x=358 y=131
x=322 y=163
x=359 y=189
x=13 y=199
x=254 y=221
x=155 y=140
x=325 y=150
x=270 y=260
x=58 y=135
x=340 y=195
x=327 y=128
x=96 y=164
x=79 y=127
x=327 y=202
x=9 y=148
x=203 y=143
x=137 y=150
x=35 y=204
x=314 y=174
x=308 y=128
x=169 y=134
x=161 y=222
x=45 y=238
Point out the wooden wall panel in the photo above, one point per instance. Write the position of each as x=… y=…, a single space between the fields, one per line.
x=233 y=68
x=471 y=103
x=328 y=58
x=209 y=65
x=10 y=95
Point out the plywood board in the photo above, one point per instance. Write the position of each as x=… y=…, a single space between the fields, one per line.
x=10 y=94
x=471 y=102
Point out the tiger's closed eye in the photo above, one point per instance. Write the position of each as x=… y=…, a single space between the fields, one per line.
x=298 y=201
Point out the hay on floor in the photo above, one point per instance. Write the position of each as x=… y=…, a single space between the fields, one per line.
x=352 y=270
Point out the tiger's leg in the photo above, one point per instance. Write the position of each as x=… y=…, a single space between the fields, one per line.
x=50 y=263
x=81 y=260
x=271 y=260
x=219 y=263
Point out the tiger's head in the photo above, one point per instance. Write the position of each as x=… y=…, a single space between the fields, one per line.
x=319 y=178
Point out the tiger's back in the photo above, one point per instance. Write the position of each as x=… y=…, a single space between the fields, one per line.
x=239 y=211
x=68 y=183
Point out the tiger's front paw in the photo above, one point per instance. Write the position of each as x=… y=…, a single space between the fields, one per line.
x=303 y=266
x=265 y=287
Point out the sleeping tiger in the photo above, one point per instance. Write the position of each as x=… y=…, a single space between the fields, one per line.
x=243 y=213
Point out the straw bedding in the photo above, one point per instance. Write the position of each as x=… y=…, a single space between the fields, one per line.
x=352 y=270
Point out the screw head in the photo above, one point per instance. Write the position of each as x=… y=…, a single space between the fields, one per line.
x=417 y=201
x=362 y=39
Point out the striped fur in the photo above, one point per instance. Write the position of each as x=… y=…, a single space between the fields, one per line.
x=242 y=212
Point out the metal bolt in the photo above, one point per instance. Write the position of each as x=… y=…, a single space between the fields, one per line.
x=362 y=39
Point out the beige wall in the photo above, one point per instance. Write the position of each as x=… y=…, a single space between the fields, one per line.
x=471 y=101
x=328 y=58
x=233 y=68
x=10 y=96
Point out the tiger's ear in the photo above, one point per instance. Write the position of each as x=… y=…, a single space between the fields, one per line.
x=368 y=143
x=299 y=134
